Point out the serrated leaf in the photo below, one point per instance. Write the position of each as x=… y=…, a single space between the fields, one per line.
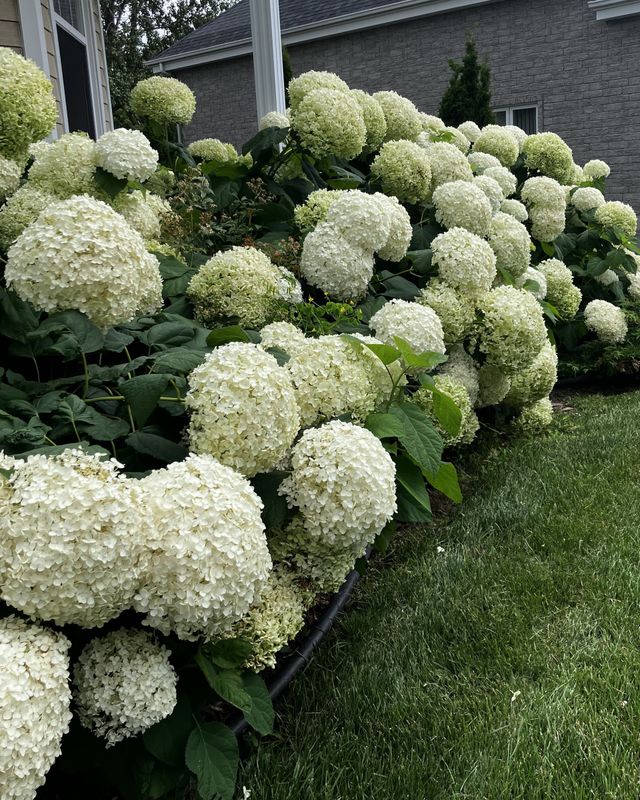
x=445 y=480
x=411 y=478
x=90 y=421
x=409 y=510
x=211 y=755
x=384 y=426
x=108 y=182
x=143 y=394
x=447 y=412
x=179 y=360
x=17 y=318
x=261 y=715
x=229 y=653
x=383 y=539
x=385 y=352
x=167 y=739
x=276 y=510
x=419 y=438
x=227 y=683
x=231 y=333
x=150 y=444
x=426 y=360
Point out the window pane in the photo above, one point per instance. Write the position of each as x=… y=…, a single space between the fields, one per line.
x=526 y=118
x=71 y=11
x=75 y=78
x=501 y=117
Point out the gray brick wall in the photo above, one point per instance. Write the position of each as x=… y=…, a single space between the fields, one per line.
x=583 y=75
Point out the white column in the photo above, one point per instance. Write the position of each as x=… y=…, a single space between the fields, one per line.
x=267 y=56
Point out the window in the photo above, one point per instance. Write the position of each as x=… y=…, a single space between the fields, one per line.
x=525 y=117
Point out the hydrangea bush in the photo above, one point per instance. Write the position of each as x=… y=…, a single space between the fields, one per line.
x=227 y=376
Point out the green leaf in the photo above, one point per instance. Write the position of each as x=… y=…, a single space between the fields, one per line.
x=421 y=261
x=548 y=248
x=411 y=478
x=227 y=683
x=409 y=510
x=276 y=510
x=167 y=739
x=170 y=334
x=17 y=318
x=229 y=653
x=385 y=352
x=150 y=444
x=261 y=715
x=397 y=286
x=231 y=333
x=162 y=780
x=179 y=360
x=264 y=142
x=143 y=394
x=90 y=421
x=212 y=756
x=447 y=412
x=384 y=426
x=420 y=439
x=83 y=333
x=383 y=539
x=445 y=480
x=426 y=360
x=108 y=182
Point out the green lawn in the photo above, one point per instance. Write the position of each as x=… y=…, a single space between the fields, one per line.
x=505 y=666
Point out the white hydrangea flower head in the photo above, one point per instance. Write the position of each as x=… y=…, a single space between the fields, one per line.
x=243 y=408
x=80 y=254
x=595 y=169
x=274 y=621
x=494 y=386
x=447 y=162
x=140 y=211
x=534 y=275
x=281 y=335
x=418 y=324
x=480 y=162
x=20 y=210
x=578 y=175
x=309 y=81
x=126 y=154
x=535 y=381
x=515 y=208
x=615 y=214
x=10 y=174
x=328 y=122
x=338 y=267
x=28 y=108
x=470 y=129
x=374 y=119
x=465 y=261
x=457 y=392
x=315 y=208
x=343 y=484
x=513 y=330
x=544 y=193
x=404 y=170
x=534 y=418
x=461 y=367
x=455 y=311
x=78 y=563
x=123 y=684
x=505 y=179
x=362 y=219
x=520 y=135
x=458 y=139
x=491 y=189
x=402 y=117
x=549 y=155
x=34 y=698
x=332 y=377
x=431 y=123
x=163 y=100
x=606 y=321
x=499 y=142
x=546 y=223
x=65 y=166
x=216 y=150
x=510 y=241
x=461 y=204
x=208 y=559
x=562 y=293
x=633 y=290
x=400 y=231
x=239 y=283
x=587 y=198
x=608 y=278
x=275 y=119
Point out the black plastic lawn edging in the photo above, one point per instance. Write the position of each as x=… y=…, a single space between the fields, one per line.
x=598 y=382
x=287 y=671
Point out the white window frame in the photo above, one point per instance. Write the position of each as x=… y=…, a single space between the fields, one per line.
x=508 y=111
x=88 y=39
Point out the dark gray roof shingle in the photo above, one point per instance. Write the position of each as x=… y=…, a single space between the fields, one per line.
x=235 y=23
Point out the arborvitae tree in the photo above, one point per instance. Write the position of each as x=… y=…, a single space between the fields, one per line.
x=468 y=96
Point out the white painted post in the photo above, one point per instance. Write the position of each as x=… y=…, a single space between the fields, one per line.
x=267 y=56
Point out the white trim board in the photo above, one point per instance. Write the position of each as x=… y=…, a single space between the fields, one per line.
x=614 y=9
x=323 y=29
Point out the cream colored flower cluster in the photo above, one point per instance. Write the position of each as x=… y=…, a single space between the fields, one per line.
x=10 y=174
x=546 y=203
x=80 y=254
x=549 y=155
x=216 y=150
x=123 y=684
x=65 y=166
x=70 y=548
x=456 y=311
x=480 y=162
x=534 y=418
x=309 y=81
x=206 y=552
x=460 y=204
x=533 y=275
x=587 y=198
x=606 y=321
x=499 y=142
x=465 y=261
x=21 y=209
x=418 y=324
x=615 y=214
x=28 y=109
x=329 y=122
x=515 y=208
x=505 y=179
x=243 y=408
x=456 y=391
x=461 y=367
x=493 y=385
x=275 y=119
x=241 y=283
x=143 y=211
x=34 y=698
x=127 y=154
x=282 y=336
x=402 y=118
x=447 y=162
x=163 y=100
x=562 y=293
x=536 y=381
x=373 y=117
x=315 y=208
x=404 y=170
x=510 y=241
x=595 y=169
x=491 y=189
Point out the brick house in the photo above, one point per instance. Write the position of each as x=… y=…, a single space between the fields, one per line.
x=571 y=66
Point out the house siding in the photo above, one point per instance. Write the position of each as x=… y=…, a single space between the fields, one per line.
x=10 y=32
x=584 y=75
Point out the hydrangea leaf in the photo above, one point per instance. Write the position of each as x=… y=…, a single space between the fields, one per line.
x=143 y=394
x=447 y=412
x=445 y=480
x=225 y=682
x=228 y=653
x=420 y=439
x=384 y=426
x=150 y=444
x=166 y=740
x=261 y=714
x=211 y=755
